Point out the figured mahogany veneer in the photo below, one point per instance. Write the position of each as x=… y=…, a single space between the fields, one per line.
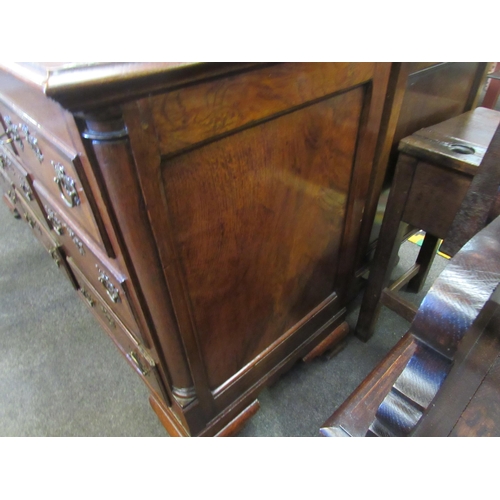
x=229 y=206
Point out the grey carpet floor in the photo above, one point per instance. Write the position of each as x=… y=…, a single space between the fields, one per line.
x=60 y=375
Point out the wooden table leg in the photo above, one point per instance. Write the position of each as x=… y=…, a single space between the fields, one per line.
x=425 y=259
x=387 y=247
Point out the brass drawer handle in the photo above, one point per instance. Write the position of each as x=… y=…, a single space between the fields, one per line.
x=111 y=290
x=78 y=243
x=32 y=141
x=90 y=300
x=12 y=131
x=66 y=186
x=31 y=222
x=132 y=356
x=55 y=223
x=12 y=195
x=106 y=314
x=7 y=141
x=27 y=191
x=55 y=256
x=4 y=161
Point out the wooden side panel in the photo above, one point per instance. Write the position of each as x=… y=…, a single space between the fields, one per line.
x=435 y=197
x=257 y=220
x=192 y=115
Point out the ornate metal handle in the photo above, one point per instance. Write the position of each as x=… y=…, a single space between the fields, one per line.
x=12 y=131
x=111 y=290
x=87 y=296
x=8 y=141
x=55 y=256
x=78 y=243
x=135 y=360
x=111 y=321
x=31 y=222
x=3 y=161
x=66 y=186
x=32 y=141
x=27 y=190
x=55 y=223
x=12 y=195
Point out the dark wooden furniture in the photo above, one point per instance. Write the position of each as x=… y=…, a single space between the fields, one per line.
x=421 y=94
x=434 y=172
x=468 y=402
x=440 y=379
x=214 y=217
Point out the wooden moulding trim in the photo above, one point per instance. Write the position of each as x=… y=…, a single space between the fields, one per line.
x=144 y=148
x=333 y=339
x=362 y=176
x=71 y=156
x=177 y=137
x=396 y=88
x=239 y=421
x=236 y=423
x=277 y=370
x=60 y=147
x=167 y=419
x=356 y=413
x=80 y=86
x=139 y=260
x=281 y=342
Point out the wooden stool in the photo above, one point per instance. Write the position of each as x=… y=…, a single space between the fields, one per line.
x=435 y=168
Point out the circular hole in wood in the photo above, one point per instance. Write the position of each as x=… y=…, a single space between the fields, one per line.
x=462 y=149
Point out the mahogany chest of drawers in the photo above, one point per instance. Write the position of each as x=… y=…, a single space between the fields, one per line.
x=214 y=217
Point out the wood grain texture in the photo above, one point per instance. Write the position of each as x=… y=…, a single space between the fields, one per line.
x=481 y=418
x=257 y=219
x=331 y=341
x=191 y=115
x=133 y=232
x=433 y=95
x=357 y=412
x=435 y=196
x=233 y=196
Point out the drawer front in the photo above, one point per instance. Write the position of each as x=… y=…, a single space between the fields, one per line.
x=110 y=283
x=44 y=237
x=10 y=205
x=56 y=168
x=22 y=181
x=127 y=342
x=6 y=184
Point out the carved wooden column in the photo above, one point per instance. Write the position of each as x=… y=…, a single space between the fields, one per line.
x=106 y=140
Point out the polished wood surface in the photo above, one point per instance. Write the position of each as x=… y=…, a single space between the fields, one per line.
x=424 y=94
x=432 y=178
x=468 y=402
x=257 y=219
x=237 y=216
x=439 y=379
x=231 y=204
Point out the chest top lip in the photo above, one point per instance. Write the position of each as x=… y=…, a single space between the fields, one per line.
x=82 y=86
